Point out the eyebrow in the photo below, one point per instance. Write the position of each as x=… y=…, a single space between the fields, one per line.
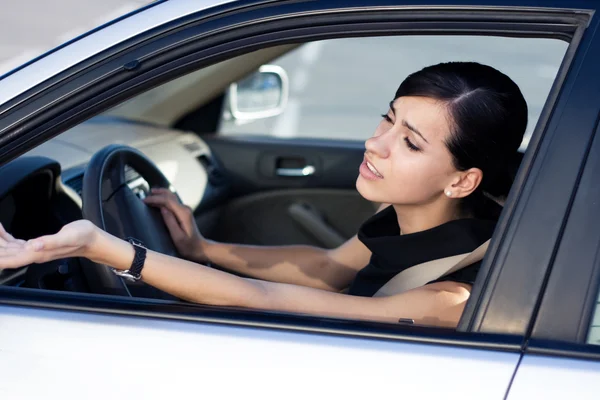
x=406 y=124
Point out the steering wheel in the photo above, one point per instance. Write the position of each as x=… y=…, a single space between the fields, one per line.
x=110 y=204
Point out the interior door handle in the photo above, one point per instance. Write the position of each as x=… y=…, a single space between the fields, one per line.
x=305 y=171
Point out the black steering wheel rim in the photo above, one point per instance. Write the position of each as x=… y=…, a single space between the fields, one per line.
x=110 y=204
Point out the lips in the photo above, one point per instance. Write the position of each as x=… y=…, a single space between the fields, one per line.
x=373 y=169
x=368 y=171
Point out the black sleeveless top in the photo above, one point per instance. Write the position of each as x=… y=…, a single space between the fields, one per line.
x=393 y=253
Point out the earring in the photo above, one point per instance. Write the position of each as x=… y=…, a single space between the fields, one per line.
x=448 y=193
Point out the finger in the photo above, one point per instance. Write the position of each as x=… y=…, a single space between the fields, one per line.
x=5 y=235
x=5 y=243
x=154 y=200
x=170 y=201
x=41 y=249
x=11 y=251
x=50 y=243
x=15 y=261
x=161 y=190
x=166 y=192
x=172 y=224
x=16 y=257
x=10 y=243
x=17 y=244
x=161 y=194
x=159 y=197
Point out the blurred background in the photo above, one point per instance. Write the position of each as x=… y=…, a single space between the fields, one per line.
x=338 y=88
x=29 y=28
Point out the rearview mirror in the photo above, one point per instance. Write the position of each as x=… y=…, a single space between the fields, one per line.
x=260 y=95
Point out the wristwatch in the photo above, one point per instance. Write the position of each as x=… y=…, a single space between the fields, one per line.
x=134 y=273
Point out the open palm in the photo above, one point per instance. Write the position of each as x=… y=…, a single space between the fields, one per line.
x=68 y=242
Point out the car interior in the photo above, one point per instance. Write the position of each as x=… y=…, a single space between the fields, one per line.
x=257 y=189
x=239 y=193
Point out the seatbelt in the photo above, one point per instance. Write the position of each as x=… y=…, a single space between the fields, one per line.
x=419 y=275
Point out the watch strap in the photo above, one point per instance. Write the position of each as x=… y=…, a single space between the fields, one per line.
x=138 y=260
x=135 y=270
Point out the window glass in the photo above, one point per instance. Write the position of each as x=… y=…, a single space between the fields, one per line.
x=594 y=332
x=339 y=88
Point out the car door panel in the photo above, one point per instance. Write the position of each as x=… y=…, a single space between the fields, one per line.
x=547 y=377
x=273 y=208
x=319 y=217
x=252 y=162
x=139 y=357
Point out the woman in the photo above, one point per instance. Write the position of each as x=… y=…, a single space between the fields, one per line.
x=445 y=142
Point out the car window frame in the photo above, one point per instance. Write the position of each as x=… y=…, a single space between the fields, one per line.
x=538 y=194
x=117 y=74
x=563 y=321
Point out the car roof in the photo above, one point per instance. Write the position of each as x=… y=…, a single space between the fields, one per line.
x=95 y=41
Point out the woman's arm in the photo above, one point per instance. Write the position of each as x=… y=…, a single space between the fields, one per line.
x=436 y=304
x=310 y=266
x=331 y=270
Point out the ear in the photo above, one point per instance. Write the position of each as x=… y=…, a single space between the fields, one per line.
x=465 y=183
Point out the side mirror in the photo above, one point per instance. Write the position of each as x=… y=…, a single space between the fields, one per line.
x=260 y=95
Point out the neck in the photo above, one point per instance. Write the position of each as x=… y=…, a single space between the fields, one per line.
x=413 y=218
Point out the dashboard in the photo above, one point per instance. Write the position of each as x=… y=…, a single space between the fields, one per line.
x=41 y=191
x=184 y=158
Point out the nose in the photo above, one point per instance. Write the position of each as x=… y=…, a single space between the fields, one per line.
x=378 y=146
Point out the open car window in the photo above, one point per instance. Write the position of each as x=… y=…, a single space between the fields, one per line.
x=332 y=89
x=306 y=106
x=338 y=87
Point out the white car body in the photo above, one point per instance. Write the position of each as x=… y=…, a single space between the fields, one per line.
x=88 y=353
x=88 y=45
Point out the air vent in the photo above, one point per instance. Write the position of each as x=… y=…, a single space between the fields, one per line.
x=136 y=183
x=76 y=183
x=131 y=174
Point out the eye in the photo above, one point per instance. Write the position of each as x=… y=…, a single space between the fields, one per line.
x=410 y=145
x=387 y=118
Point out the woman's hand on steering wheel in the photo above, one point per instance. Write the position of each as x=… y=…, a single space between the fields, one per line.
x=181 y=224
x=73 y=240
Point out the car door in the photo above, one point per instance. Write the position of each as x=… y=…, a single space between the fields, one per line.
x=72 y=345
x=322 y=209
x=562 y=357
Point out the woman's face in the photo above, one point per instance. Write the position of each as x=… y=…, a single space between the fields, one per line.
x=407 y=161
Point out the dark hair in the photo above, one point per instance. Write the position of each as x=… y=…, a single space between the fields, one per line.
x=489 y=118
